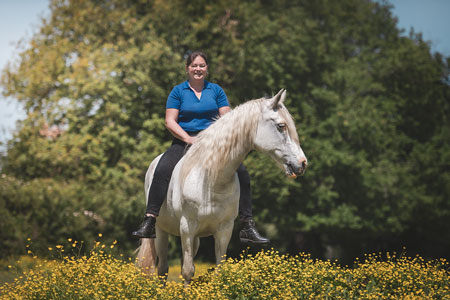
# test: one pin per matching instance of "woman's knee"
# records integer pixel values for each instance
(168, 161)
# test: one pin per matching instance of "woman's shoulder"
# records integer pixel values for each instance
(182, 85)
(178, 89)
(213, 86)
(218, 93)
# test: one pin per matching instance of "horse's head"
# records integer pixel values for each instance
(276, 135)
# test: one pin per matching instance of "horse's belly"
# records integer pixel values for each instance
(208, 221)
(168, 222)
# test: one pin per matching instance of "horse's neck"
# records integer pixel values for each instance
(226, 175)
(223, 146)
(238, 148)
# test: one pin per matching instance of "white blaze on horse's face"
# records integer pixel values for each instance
(276, 136)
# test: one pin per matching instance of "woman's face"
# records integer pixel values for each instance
(198, 69)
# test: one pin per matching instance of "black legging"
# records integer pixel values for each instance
(163, 173)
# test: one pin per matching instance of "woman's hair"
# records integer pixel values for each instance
(193, 55)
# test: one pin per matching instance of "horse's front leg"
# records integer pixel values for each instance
(222, 239)
(187, 234)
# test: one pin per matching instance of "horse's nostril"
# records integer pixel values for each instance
(303, 163)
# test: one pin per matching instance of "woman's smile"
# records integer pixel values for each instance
(198, 69)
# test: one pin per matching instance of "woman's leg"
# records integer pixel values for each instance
(159, 187)
(248, 232)
(161, 178)
(245, 200)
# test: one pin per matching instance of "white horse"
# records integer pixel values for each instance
(203, 194)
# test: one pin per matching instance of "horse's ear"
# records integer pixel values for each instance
(278, 98)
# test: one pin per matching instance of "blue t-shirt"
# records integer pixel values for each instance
(197, 114)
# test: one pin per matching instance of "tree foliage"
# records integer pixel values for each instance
(371, 107)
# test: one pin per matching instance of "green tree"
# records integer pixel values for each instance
(371, 108)
(93, 75)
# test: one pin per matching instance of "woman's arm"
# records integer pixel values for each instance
(174, 128)
(223, 110)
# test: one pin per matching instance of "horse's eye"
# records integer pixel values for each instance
(281, 126)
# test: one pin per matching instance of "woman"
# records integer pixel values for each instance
(191, 107)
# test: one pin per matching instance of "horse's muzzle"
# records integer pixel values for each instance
(292, 170)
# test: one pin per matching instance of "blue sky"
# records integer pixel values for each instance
(19, 19)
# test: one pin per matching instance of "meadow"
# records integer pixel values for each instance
(104, 274)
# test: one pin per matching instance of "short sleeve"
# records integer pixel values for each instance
(221, 99)
(174, 99)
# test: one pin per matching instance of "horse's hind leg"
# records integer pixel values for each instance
(162, 246)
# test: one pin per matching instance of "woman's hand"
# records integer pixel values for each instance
(174, 128)
(190, 140)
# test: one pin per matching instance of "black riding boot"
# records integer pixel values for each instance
(147, 228)
(249, 234)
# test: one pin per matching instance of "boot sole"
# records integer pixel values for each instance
(143, 237)
(247, 241)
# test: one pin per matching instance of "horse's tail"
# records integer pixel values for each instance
(146, 256)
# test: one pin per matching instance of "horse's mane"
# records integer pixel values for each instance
(229, 135)
(221, 141)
